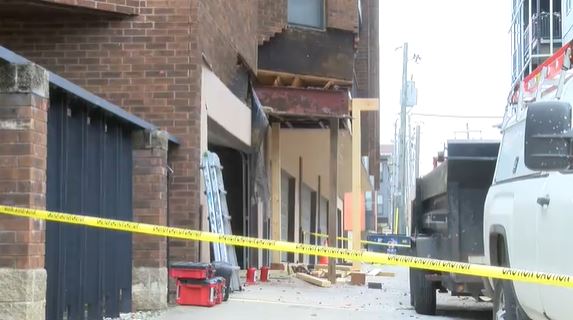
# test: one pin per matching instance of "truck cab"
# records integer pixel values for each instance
(528, 212)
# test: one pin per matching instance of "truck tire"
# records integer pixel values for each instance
(505, 304)
(424, 293)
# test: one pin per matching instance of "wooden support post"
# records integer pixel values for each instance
(356, 184)
(300, 218)
(276, 189)
(332, 218)
(358, 105)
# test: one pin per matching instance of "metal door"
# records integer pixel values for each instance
(89, 172)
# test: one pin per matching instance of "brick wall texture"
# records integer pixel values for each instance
(116, 6)
(23, 141)
(229, 29)
(148, 64)
(272, 18)
(150, 199)
(273, 14)
(342, 14)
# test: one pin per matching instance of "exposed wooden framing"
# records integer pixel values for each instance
(358, 105)
(314, 280)
(301, 231)
(332, 219)
(297, 82)
(318, 208)
(278, 82)
(268, 77)
(329, 84)
(276, 189)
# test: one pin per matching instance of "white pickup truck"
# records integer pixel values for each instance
(528, 213)
(521, 218)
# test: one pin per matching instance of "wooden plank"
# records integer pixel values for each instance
(313, 280)
(374, 272)
(386, 274)
(278, 82)
(307, 79)
(328, 85)
(333, 210)
(297, 82)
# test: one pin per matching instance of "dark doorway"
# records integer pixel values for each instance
(235, 175)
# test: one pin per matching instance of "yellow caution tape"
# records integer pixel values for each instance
(322, 235)
(364, 256)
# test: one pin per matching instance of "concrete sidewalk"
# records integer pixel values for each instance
(295, 299)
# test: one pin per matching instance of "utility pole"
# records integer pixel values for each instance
(467, 131)
(403, 146)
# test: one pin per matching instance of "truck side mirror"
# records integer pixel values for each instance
(548, 136)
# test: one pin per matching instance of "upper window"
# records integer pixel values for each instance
(307, 13)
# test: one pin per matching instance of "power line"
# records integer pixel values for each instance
(436, 115)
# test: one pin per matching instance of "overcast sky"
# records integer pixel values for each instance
(464, 70)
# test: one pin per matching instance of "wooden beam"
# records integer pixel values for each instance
(278, 82)
(333, 197)
(300, 210)
(275, 189)
(356, 183)
(297, 82)
(307, 79)
(314, 280)
(328, 85)
(364, 104)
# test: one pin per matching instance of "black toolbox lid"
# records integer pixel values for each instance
(202, 281)
(191, 265)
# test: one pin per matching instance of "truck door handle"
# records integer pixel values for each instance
(543, 201)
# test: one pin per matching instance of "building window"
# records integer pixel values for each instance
(307, 13)
(568, 5)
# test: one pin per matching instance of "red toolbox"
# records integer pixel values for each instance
(222, 288)
(191, 270)
(206, 293)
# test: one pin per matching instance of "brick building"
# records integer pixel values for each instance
(189, 68)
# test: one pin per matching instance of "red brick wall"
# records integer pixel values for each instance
(342, 14)
(366, 69)
(117, 6)
(148, 64)
(273, 14)
(272, 18)
(229, 28)
(149, 196)
(23, 119)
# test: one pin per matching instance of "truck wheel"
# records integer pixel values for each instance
(424, 293)
(505, 305)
